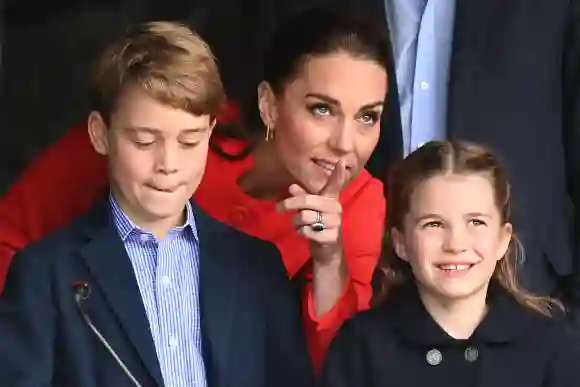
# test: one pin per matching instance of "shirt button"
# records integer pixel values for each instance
(424, 85)
(173, 342)
(144, 238)
(471, 354)
(166, 281)
(434, 357)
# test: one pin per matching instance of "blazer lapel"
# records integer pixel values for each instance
(218, 283)
(106, 257)
(474, 23)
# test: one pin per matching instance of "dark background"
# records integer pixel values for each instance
(48, 48)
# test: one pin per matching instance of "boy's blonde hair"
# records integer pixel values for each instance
(166, 60)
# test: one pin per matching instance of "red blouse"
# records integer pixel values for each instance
(66, 179)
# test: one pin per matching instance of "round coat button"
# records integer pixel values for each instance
(471, 354)
(434, 357)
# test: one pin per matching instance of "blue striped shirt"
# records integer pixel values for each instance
(167, 273)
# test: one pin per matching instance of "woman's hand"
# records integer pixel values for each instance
(323, 210)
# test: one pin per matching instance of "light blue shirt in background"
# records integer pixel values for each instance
(422, 38)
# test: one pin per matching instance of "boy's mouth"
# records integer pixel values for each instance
(164, 189)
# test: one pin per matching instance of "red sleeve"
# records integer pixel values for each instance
(363, 227)
(56, 187)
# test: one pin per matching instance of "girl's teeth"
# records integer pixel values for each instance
(454, 267)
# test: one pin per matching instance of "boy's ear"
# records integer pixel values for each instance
(98, 133)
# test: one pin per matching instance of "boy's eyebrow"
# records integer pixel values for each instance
(156, 131)
(478, 215)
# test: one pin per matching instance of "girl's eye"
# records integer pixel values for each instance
(433, 224)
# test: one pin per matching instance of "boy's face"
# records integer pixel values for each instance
(157, 156)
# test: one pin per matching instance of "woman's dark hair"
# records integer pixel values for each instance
(314, 31)
(440, 158)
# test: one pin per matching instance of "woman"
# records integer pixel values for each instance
(296, 179)
(452, 312)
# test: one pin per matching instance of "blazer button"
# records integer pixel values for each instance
(434, 357)
(471, 354)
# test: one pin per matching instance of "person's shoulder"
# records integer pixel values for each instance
(554, 333)
(245, 247)
(259, 261)
(245, 243)
(561, 342)
(558, 331)
(554, 323)
(369, 325)
(57, 249)
(63, 240)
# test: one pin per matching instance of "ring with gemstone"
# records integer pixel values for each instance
(318, 226)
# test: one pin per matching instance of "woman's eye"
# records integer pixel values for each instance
(320, 109)
(369, 118)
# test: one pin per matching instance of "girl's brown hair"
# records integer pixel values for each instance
(451, 157)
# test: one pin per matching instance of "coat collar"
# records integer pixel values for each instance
(505, 321)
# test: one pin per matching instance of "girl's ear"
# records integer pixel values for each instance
(398, 240)
(506, 235)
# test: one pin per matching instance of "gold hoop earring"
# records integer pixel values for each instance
(269, 132)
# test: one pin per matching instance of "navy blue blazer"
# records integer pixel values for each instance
(251, 328)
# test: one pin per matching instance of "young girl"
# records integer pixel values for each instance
(451, 312)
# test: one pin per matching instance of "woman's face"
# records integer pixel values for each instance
(329, 111)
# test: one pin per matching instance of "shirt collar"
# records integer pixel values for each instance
(125, 225)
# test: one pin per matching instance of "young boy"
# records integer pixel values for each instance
(147, 290)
